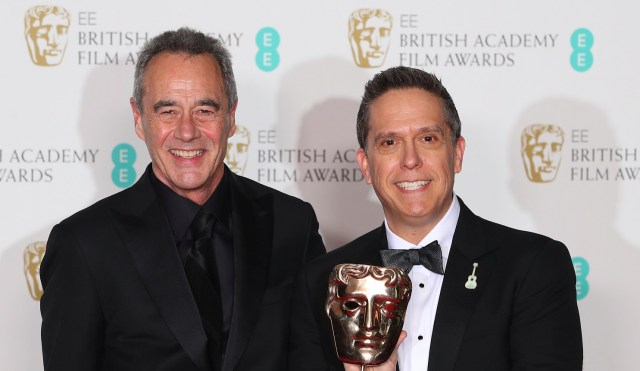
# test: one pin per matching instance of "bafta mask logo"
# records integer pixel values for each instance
(366, 305)
(238, 150)
(32, 258)
(542, 151)
(369, 36)
(46, 29)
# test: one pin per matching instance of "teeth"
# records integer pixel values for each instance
(412, 186)
(186, 154)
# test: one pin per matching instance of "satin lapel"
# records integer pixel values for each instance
(146, 233)
(252, 224)
(456, 302)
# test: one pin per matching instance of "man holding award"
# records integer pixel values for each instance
(484, 296)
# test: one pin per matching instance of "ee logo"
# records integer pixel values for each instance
(581, 43)
(581, 267)
(268, 40)
(123, 157)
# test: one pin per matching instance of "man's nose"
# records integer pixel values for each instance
(410, 156)
(186, 128)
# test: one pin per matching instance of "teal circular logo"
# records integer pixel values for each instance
(268, 41)
(581, 266)
(123, 157)
(581, 43)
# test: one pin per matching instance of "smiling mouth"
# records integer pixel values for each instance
(186, 154)
(412, 186)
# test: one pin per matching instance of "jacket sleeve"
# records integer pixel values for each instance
(545, 328)
(72, 322)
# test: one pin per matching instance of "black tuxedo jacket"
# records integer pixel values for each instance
(523, 314)
(117, 297)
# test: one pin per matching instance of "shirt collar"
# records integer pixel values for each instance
(181, 211)
(442, 232)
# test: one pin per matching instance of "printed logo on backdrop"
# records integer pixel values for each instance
(543, 147)
(581, 44)
(39, 165)
(238, 150)
(123, 157)
(581, 266)
(46, 30)
(97, 40)
(32, 255)
(542, 151)
(416, 44)
(268, 41)
(370, 36)
(291, 165)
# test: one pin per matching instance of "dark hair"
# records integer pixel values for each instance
(190, 42)
(404, 78)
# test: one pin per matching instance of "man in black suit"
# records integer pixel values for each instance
(131, 283)
(494, 299)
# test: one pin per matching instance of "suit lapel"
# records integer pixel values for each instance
(252, 225)
(146, 233)
(456, 302)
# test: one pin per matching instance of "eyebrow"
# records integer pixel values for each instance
(422, 130)
(202, 102)
(163, 103)
(210, 102)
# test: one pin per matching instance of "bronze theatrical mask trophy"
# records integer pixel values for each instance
(366, 305)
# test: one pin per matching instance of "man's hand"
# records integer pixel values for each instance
(390, 365)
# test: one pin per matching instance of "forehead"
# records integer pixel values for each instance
(169, 72)
(404, 108)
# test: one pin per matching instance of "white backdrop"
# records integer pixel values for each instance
(507, 65)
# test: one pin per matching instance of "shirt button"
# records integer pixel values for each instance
(420, 337)
(421, 285)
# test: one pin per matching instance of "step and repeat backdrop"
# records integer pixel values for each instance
(547, 92)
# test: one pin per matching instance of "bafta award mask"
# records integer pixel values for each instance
(366, 305)
(542, 151)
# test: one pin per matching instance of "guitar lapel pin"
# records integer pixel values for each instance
(471, 280)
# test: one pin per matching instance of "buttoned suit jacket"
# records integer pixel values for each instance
(116, 296)
(522, 315)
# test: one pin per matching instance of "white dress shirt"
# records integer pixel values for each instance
(413, 354)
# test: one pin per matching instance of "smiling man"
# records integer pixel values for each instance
(484, 296)
(192, 267)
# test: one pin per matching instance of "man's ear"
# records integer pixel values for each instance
(363, 161)
(458, 153)
(137, 119)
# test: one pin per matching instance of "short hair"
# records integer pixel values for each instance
(190, 42)
(402, 77)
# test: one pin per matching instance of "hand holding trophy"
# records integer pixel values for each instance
(366, 305)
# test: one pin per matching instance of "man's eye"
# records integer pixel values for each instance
(388, 142)
(429, 138)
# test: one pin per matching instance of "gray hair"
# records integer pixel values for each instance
(190, 42)
(405, 78)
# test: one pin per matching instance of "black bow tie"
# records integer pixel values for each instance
(430, 256)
